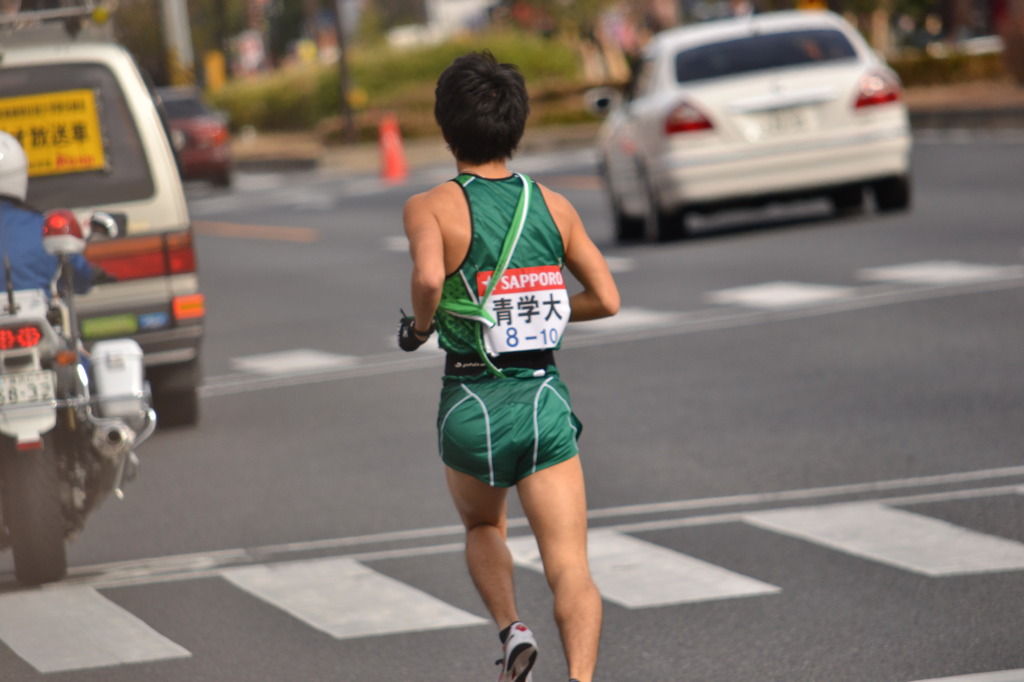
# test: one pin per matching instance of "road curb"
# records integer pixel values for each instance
(982, 119)
(364, 158)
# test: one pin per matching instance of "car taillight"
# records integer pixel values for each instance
(219, 135)
(24, 336)
(150, 256)
(211, 135)
(61, 233)
(686, 118)
(877, 88)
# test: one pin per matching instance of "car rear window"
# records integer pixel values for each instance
(184, 108)
(762, 52)
(79, 135)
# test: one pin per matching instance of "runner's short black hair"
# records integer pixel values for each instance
(481, 106)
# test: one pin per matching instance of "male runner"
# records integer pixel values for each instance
(488, 250)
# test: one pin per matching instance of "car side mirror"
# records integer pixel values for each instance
(108, 225)
(600, 101)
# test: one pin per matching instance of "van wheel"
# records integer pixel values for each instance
(176, 393)
(177, 408)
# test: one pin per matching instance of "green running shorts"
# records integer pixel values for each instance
(501, 430)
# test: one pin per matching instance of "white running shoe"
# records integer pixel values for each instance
(520, 653)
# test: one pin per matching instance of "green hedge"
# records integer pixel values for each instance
(921, 69)
(384, 79)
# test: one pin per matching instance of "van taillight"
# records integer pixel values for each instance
(149, 256)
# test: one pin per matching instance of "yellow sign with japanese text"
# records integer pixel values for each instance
(60, 131)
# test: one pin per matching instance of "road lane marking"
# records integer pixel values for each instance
(394, 544)
(638, 574)
(345, 599)
(997, 676)
(895, 537)
(630, 318)
(941, 272)
(776, 295)
(266, 232)
(70, 628)
(298, 361)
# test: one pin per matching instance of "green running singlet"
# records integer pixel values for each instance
(501, 427)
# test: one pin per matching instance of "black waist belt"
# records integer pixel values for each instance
(469, 365)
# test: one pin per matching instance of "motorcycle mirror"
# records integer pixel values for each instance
(109, 225)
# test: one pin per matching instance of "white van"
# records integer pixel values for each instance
(96, 140)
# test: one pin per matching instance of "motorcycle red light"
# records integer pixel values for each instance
(60, 222)
(13, 338)
(61, 233)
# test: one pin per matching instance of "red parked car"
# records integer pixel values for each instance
(199, 134)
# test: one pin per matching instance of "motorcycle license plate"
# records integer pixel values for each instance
(27, 387)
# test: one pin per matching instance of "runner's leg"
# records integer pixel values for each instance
(482, 509)
(555, 503)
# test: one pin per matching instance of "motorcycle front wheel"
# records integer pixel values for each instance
(32, 512)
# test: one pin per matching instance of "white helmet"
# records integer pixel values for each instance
(13, 168)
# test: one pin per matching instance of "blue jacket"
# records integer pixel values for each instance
(21, 240)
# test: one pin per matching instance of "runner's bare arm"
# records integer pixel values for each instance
(426, 247)
(600, 295)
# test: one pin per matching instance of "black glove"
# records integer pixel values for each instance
(101, 276)
(408, 338)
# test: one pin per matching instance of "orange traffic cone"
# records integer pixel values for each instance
(393, 167)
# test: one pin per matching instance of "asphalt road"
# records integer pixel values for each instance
(802, 444)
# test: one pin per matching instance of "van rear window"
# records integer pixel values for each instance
(78, 133)
(762, 52)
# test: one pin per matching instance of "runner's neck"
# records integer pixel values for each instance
(492, 170)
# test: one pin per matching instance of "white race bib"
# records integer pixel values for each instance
(530, 307)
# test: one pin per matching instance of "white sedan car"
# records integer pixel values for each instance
(741, 112)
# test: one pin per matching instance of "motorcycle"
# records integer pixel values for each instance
(69, 420)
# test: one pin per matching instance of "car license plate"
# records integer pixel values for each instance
(776, 123)
(27, 387)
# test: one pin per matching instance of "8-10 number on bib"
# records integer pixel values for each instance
(530, 307)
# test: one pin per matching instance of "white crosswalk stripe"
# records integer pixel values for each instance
(345, 599)
(638, 574)
(774, 295)
(997, 676)
(72, 628)
(940, 272)
(895, 537)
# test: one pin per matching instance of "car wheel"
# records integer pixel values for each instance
(627, 228)
(666, 225)
(893, 194)
(222, 179)
(848, 200)
(672, 225)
